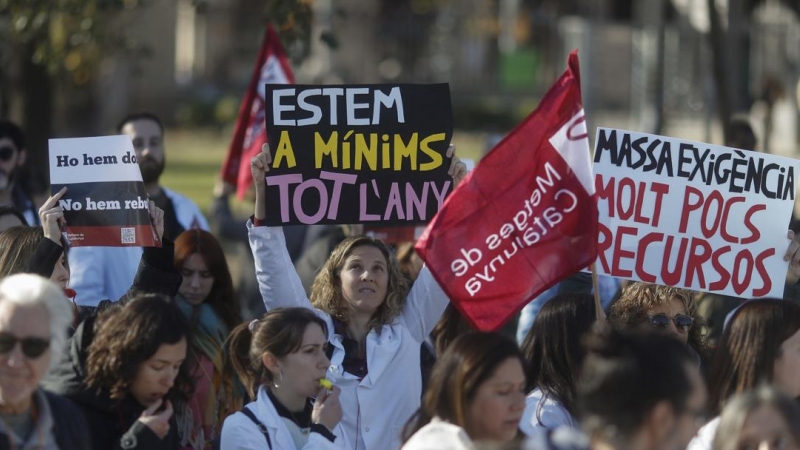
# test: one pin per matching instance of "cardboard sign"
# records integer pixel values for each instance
(357, 154)
(693, 215)
(524, 219)
(105, 203)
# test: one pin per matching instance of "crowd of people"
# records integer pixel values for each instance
(129, 348)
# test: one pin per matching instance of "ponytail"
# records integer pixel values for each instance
(237, 362)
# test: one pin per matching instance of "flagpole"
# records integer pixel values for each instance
(598, 306)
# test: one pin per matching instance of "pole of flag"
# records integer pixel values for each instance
(598, 306)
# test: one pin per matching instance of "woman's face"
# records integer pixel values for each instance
(20, 373)
(197, 279)
(787, 366)
(60, 275)
(765, 429)
(496, 410)
(671, 310)
(365, 278)
(301, 371)
(156, 375)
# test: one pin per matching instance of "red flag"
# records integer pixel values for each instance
(272, 66)
(525, 218)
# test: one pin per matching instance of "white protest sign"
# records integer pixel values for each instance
(105, 203)
(693, 215)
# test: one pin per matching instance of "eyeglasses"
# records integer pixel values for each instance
(6, 153)
(32, 347)
(682, 322)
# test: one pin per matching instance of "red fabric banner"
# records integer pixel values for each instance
(524, 219)
(272, 66)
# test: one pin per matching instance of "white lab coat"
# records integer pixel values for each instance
(100, 273)
(439, 435)
(377, 407)
(239, 432)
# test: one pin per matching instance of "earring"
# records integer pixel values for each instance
(280, 378)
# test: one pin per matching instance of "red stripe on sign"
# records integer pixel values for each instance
(112, 236)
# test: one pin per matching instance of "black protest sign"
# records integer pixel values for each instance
(357, 153)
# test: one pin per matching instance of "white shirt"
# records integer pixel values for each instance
(239, 432)
(439, 435)
(705, 436)
(100, 273)
(547, 414)
(377, 407)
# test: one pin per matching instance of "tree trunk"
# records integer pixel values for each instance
(37, 121)
(717, 38)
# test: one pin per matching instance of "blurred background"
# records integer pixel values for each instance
(677, 67)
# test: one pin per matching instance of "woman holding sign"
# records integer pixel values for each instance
(374, 324)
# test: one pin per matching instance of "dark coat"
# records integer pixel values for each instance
(70, 429)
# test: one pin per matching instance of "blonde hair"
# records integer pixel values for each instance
(326, 292)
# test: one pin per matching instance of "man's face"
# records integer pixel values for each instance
(147, 142)
(11, 159)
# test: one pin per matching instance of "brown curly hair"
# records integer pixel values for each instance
(127, 336)
(326, 292)
(638, 298)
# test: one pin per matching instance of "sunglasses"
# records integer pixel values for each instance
(32, 347)
(6, 153)
(682, 322)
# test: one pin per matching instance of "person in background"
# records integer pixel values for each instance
(476, 395)
(662, 308)
(34, 317)
(639, 391)
(107, 272)
(760, 344)
(126, 372)
(281, 361)
(207, 301)
(762, 419)
(13, 154)
(11, 217)
(375, 325)
(554, 353)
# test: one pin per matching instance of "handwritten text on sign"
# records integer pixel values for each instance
(357, 154)
(694, 215)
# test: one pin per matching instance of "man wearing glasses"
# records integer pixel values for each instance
(12, 158)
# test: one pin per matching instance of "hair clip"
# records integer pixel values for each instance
(252, 326)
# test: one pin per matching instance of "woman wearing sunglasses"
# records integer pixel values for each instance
(662, 308)
(760, 344)
(34, 316)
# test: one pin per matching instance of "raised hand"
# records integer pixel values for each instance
(52, 216)
(157, 217)
(457, 169)
(259, 166)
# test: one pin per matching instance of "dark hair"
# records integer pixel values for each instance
(467, 363)
(10, 130)
(221, 298)
(739, 408)
(279, 332)
(749, 346)
(553, 346)
(740, 134)
(630, 310)
(140, 116)
(127, 336)
(625, 374)
(326, 292)
(9, 210)
(451, 325)
(17, 246)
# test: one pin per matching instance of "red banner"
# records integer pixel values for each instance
(272, 66)
(524, 219)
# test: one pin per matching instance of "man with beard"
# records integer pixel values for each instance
(99, 273)
(12, 156)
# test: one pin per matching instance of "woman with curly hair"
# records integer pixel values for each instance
(375, 325)
(664, 308)
(133, 376)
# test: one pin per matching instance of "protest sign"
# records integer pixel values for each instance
(525, 218)
(693, 215)
(249, 134)
(357, 154)
(105, 203)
